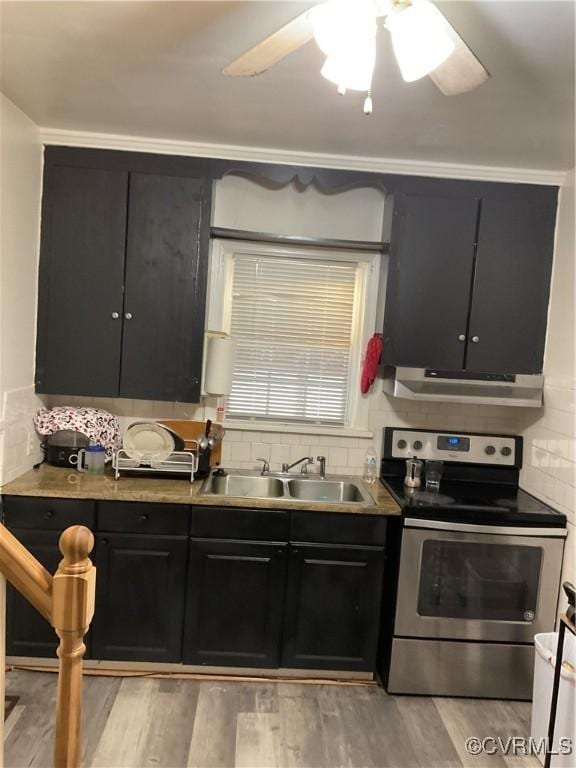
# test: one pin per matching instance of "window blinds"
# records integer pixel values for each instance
(292, 320)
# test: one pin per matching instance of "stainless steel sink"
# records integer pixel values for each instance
(326, 490)
(285, 486)
(245, 486)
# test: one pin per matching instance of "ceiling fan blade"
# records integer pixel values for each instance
(461, 71)
(285, 41)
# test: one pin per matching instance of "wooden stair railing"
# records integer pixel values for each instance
(66, 600)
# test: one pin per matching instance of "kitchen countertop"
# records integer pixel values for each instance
(57, 482)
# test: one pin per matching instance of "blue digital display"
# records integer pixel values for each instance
(453, 443)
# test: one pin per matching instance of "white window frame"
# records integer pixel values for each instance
(218, 318)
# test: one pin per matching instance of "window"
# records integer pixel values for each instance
(298, 316)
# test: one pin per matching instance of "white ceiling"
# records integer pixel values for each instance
(152, 69)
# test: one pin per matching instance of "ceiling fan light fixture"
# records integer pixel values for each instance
(339, 22)
(351, 70)
(420, 39)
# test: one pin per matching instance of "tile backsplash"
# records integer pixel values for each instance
(549, 470)
(19, 445)
(549, 461)
(345, 455)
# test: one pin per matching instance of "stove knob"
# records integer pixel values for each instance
(506, 451)
(401, 444)
(490, 450)
(417, 445)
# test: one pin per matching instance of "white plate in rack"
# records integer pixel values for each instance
(148, 442)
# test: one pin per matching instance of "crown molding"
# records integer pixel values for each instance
(55, 136)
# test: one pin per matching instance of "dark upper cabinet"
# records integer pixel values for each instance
(140, 592)
(332, 607)
(123, 272)
(469, 277)
(431, 268)
(235, 603)
(161, 346)
(512, 283)
(81, 277)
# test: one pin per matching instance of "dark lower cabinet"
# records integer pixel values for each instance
(163, 596)
(140, 593)
(27, 632)
(332, 607)
(235, 603)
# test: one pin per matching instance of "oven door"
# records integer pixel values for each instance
(475, 582)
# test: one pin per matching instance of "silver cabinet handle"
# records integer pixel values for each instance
(475, 339)
(128, 315)
(115, 315)
(462, 337)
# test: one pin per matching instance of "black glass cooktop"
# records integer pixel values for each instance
(484, 503)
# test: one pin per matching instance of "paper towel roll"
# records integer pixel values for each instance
(219, 365)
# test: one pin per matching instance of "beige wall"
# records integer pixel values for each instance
(20, 191)
(550, 434)
(355, 214)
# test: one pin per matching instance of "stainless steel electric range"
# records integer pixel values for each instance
(479, 568)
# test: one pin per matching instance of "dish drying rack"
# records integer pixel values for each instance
(179, 462)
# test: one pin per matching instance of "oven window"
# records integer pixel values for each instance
(479, 581)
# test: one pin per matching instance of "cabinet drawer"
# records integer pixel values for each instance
(238, 523)
(141, 517)
(46, 513)
(338, 528)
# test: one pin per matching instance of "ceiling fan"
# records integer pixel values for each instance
(424, 43)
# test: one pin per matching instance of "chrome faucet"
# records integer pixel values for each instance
(322, 461)
(265, 466)
(307, 459)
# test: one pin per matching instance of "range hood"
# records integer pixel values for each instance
(464, 387)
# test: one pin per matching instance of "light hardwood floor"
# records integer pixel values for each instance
(133, 723)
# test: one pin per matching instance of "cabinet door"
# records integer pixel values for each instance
(140, 590)
(80, 281)
(332, 607)
(27, 632)
(235, 603)
(429, 281)
(512, 282)
(163, 337)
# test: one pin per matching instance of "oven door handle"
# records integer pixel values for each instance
(499, 530)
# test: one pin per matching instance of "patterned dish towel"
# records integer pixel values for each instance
(99, 426)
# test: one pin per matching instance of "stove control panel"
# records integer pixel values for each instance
(494, 450)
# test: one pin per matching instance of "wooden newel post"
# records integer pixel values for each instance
(72, 611)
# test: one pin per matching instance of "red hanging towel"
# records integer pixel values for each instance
(371, 361)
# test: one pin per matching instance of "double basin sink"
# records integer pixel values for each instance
(300, 488)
